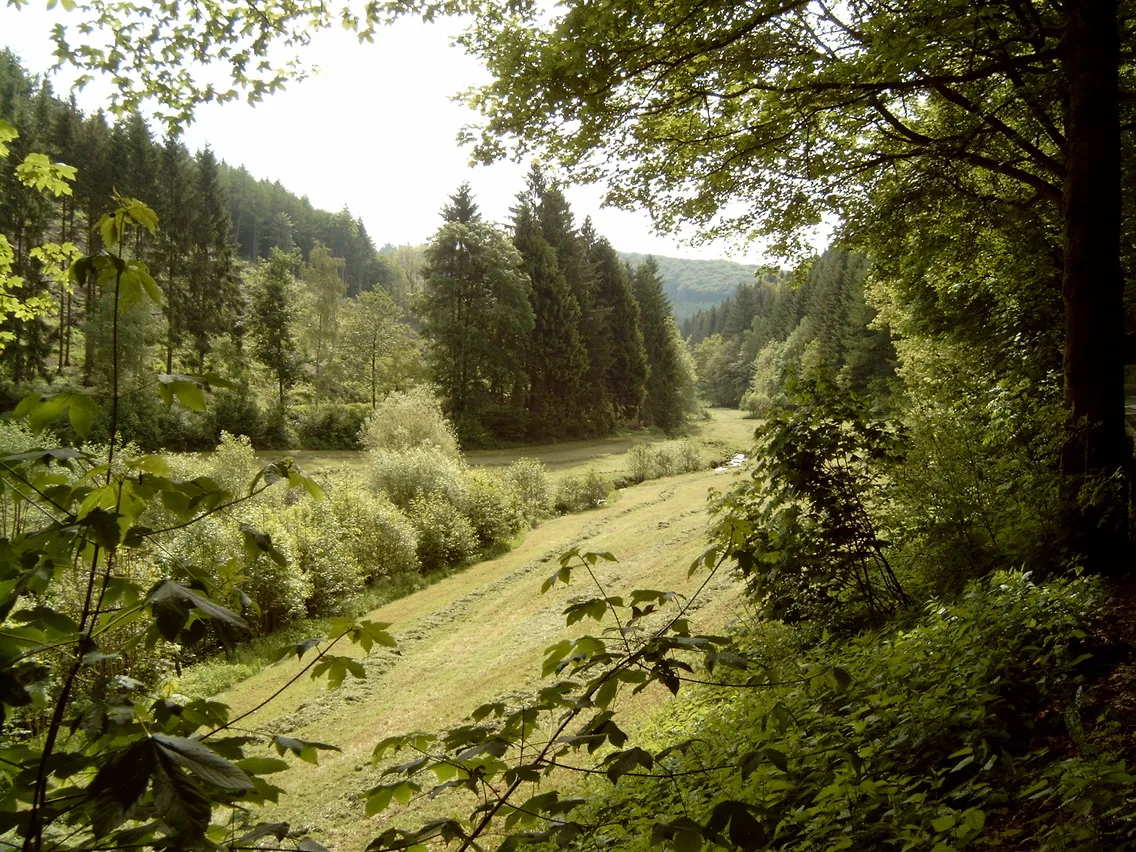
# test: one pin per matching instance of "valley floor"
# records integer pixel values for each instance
(473, 638)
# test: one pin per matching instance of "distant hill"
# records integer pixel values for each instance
(697, 285)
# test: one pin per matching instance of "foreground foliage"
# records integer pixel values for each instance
(960, 730)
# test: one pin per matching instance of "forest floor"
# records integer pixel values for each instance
(479, 636)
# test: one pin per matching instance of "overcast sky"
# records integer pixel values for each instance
(374, 131)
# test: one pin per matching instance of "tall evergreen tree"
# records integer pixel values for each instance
(626, 369)
(478, 315)
(213, 298)
(273, 321)
(174, 206)
(558, 360)
(664, 405)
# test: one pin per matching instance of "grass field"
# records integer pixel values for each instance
(723, 434)
(479, 635)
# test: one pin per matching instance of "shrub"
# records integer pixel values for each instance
(234, 464)
(445, 536)
(407, 420)
(425, 470)
(332, 426)
(280, 592)
(671, 458)
(380, 538)
(575, 493)
(808, 528)
(324, 556)
(534, 489)
(492, 507)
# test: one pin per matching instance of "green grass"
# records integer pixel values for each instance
(473, 637)
(726, 432)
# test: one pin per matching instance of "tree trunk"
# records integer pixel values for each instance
(1093, 289)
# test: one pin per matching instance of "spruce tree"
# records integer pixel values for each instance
(478, 315)
(273, 321)
(664, 405)
(213, 298)
(625, 376)
(558, 360)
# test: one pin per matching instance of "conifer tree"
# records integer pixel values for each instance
(557, 360)
(478, 315)
(273, 320)
(213, 299)
(664, 405)
(625, 375)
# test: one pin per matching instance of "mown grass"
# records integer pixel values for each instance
(725, 432)
(471, 638)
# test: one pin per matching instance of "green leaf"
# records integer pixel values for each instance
(202, 762)
(306, 750)
(119, 784)
(943, 823)
(262, 765)
(620, 763)
(171, 603)
(181, 803)
(81, 412)
(687, 841)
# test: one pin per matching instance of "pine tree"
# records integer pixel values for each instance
(478, 315)
(664, 405)
(273, 320)
(213, 298)
(625, 376)
(558, 360)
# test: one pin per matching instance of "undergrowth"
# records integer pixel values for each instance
(960, 731)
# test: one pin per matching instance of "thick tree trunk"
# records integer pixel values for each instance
(1093, 286)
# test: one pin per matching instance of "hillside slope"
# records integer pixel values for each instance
(470, 639)
(697, 285)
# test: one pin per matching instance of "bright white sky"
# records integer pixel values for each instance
(374, 131)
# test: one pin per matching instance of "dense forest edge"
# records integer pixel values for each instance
(931, 539)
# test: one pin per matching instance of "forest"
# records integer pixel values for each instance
(305, 319)
(927, 555)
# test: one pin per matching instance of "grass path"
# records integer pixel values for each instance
(473, 638)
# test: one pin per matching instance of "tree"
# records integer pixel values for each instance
(212, 296)
(371, 332)
(759, 119)
(478, 317)
(325, 289)
(557, 358)
(664, 404)
(273, 320)
(626, 372)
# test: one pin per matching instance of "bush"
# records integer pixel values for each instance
(234, 464)
(280, 592)
(534, 489)
(332, 426)
(324, 556)
(425, 470)
(575, 493)
(653, 461)
(407, 420)
(445, 537)
(492, 507)
(381, 540)
(808, 529)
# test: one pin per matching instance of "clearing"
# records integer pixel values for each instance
(480, 635)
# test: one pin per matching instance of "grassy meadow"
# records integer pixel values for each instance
(479, 634)
(726, 431)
